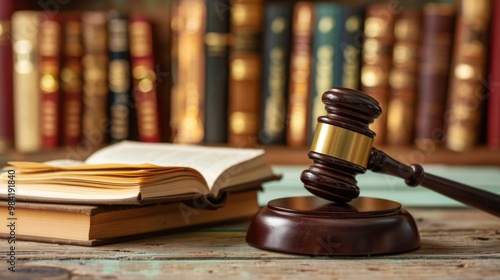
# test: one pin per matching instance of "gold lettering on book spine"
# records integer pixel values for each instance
(5, 31)
(275, 109)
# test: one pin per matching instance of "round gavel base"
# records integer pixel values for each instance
(313, 226)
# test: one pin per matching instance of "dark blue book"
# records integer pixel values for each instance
(276, 61)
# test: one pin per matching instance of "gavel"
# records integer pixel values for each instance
(342, 148)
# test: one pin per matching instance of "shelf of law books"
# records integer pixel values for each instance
(79, 75)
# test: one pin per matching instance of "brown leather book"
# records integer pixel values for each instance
(297, 130)
(438, 21)
(188, 98)
(145, 79)
(467, 93)
(95, 68)
(71, 79)
(49, 48)
(26, 81)
(493, 130)
(403, 78)
(377, 60)
(245, 72)
(6, 92)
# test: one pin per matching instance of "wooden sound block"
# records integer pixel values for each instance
(313, 226)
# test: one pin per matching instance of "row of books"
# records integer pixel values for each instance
(426, 64)
(249, 73)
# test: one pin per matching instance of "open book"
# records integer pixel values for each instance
(136, 173)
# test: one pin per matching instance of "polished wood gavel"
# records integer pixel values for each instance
(342, 148)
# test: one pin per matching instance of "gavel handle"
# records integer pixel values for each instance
(414, 175)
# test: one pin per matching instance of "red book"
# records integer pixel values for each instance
(493, 130)
(48, 51)
(144, 79)
(6, 96)
(71, 80)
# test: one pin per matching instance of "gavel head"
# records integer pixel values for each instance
(341, 145)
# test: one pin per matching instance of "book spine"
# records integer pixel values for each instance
(466, 93)
(300, 72)
(245, 78)
(438, 21)
(326, 58)
(191, 72)
(25, 25)
(276, 53)
(119, 79)
(49, 47)
(144, 80)
(493, 129)
(403, 78)
(377, 60)
(6, 112)
(351, 45)
(95, 89)
(71, 80)
(216, 71)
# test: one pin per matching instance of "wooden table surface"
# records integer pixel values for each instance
(456, 244)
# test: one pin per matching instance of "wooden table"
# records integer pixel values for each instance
(456, 244)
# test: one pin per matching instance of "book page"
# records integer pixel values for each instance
(211, 162)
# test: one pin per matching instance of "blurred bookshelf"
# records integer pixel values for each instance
(240, 69)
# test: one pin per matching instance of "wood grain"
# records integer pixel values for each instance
(456, 243)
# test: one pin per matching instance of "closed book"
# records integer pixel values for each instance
(275, 73)
(49, 49)
(299, 90)
(189, 96)
(245, 65)
(467, 92)
(326, 58)
(71, 79)
(493, 130)
(6, 90)
(403, 78)
(216, 71)
(119, 81)
(438, 21)
(95, 69)
(90, 225)
(377, 60)
(144, 78)
(25, 25)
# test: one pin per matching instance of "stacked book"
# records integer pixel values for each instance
(128, 190)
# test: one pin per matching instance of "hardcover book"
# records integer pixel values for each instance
(6, 92)
(245, 79)
(326, 58)
(91, 225)
(145, 80)
(403, 78)
(71, 79)
(300, 73)
(276, 53)
(466, 92)
(138, 173)
(438, 21)
(216, 71)
(119, 81)
(189, 97)
(377, 60)
(27, 136)
(49, 48)
(493, 130)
